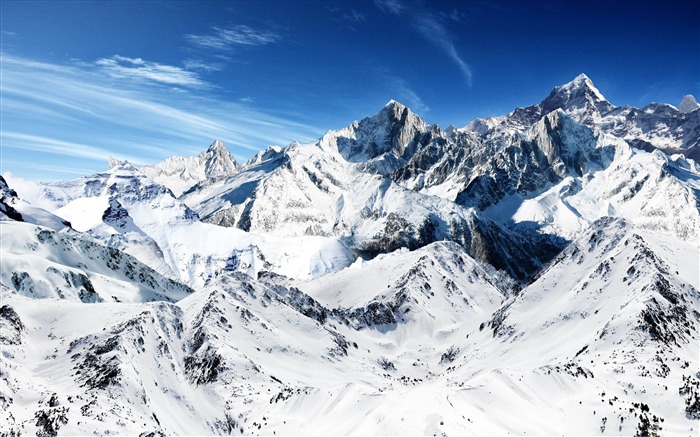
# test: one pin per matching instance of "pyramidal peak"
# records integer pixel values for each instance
(579, 96)
(112, 162)
(115, 164)
(393, 103)
(580, 81)
(217, 146)
(395, 108)
(180, 173)
(218, 161)
(688, 104)
(581, 86)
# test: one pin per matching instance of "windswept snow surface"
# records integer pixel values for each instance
(533, 273)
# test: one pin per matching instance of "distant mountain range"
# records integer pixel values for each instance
(535, 272)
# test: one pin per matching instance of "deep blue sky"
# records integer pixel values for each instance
(145, 80)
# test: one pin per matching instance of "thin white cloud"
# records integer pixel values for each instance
(390, 6)
(407, 96)
(200, 65)
(434, 31)
(430, 26)
(34, 112)
(60, 169)
(10, 61)
(354, 16)
(227, 38)
(136, 68)
(35, 143)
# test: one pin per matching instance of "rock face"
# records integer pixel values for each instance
(384, 142)
(556, 147)
(8, 197)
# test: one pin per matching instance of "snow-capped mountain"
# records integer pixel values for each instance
(655, 126)
(125, 209)
(531, 273)
(688, 104)
(179, 173)
(334, 187)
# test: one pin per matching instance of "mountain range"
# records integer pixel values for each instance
(535, 272)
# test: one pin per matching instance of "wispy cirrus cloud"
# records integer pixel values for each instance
(111, 115)
(231, 37)
(390, 6)
(406, 95)
(204, 66)
(434, 31)
(136, 68)
(36, 143)
(354, 16)
(432, 27)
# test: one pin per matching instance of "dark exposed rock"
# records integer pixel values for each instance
(204, 366)
(450, 355)
(8, 197)
(11, 327)
(50, 421)
(497, 322)
(690, 390)
(387, 365)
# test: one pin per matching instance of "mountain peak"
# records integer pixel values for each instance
(688, 104)
(112, 162)
(581, 85)
(393, 103)
(578, 95)
(217, 146)
(218, 161)
(115, 164)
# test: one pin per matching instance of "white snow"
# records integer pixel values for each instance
(85, 213)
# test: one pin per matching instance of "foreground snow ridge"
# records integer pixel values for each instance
(533, 273)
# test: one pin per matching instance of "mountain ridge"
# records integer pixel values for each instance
(180, 174)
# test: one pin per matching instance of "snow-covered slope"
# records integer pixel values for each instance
(12, 208)
(174, 367)
(42, 263)
(568, 354)
(125, 209)
(605, 340)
